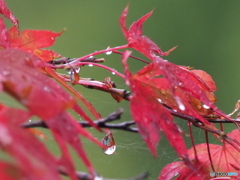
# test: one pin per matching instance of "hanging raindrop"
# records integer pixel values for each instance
(108, 141)
(113, 73)
(90, 65)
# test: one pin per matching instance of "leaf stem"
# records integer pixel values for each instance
(119, 52)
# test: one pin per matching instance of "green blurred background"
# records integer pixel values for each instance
(208, 37)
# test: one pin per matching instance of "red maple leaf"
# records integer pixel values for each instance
(46, 99)
(135, 39)
(150, 115)
(30, 155)
(225, 159)
(176, 76)
(7, 13)
(163, 82)
(31, 41)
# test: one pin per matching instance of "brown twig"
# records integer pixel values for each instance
(103, 123)
(65, 60)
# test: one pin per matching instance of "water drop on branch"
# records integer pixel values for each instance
(109, 142)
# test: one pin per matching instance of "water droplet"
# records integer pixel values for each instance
(52, 38)
(180, 84)
(90, 56)
(205, 106)
(5, 137)
(41, 136)
(113, 73)
(147, 76)
(159, 100)
(46, 88)
(72, 77)
(127, 82)
(180, 104)
(98, 178)
(90, 65)
(77, 69)
(108, 52)
(108, 141)
(176, 174)
(29, 120)
(6, 73)
(69, 70)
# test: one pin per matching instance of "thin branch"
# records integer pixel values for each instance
(119, 52)
(103, 123)
(86, 176)
(66, 60)
(127, 125)
(222, 120)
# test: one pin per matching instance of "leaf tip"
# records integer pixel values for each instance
(170, 50)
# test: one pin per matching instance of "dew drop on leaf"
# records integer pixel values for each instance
(6, 73)
(98, 178)
(5, 137)
(108, 141)
(42, 136)
(205, 106)
(180, 104)
(46, 88)
(127, 82)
